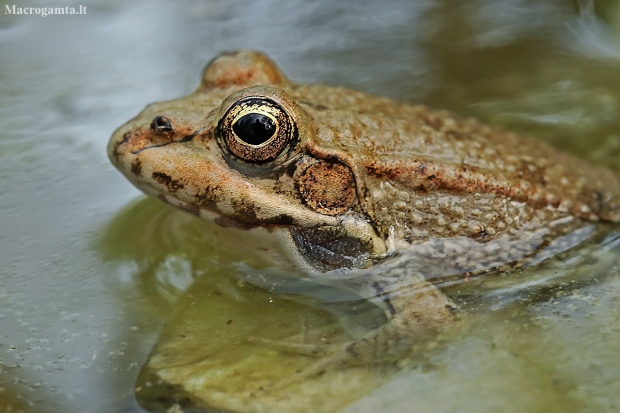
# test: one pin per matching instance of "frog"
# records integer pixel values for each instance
(344, 181)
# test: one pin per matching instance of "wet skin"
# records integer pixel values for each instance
(345, 179)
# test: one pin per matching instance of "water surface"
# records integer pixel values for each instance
(94, 277)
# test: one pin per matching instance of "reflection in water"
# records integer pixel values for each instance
(219, 329)
(223, 349)
(239, 336)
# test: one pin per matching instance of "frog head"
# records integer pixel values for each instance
(242, 151)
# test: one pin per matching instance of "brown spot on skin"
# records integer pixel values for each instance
(136, 168)
(191, 209)
(281, 219)
(253, 221)
(207, 198)
(164, 179)
(115, 153)
(245, 211)
(328, 188)
(225, 222)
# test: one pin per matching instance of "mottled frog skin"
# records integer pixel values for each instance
(345, 179)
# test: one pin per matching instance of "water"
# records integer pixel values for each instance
(94, 277)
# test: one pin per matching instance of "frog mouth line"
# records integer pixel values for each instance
(323, 248)
(280, 221)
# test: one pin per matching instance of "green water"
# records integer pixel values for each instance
(94, 278)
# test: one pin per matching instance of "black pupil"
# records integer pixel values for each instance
(254, 128)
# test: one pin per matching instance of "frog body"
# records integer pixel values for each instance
(345, 179)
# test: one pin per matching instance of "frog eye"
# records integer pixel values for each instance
(256, 129)
(161, 123)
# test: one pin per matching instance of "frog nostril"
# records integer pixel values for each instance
(161, 123)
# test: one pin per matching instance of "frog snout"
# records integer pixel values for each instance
(156, 132)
